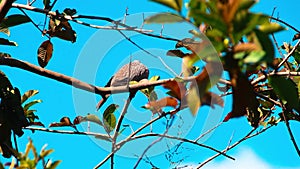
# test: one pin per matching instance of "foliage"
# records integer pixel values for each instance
(265, 88)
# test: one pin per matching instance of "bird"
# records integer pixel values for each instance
(134, 71)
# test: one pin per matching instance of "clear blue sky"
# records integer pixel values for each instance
(273, 148)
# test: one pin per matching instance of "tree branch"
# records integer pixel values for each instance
(248, 136)
(181, 139)
(5, 5)
(104, 136)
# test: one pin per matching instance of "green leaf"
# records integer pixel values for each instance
(7, 42)
(174, 4)
(164, 18)
(102, 137)
(92, 118)
(109, 118)
(264, 42)
(246, 4)
(14, 20)
(272, 27)
(255, 57)
(28, 94)
(193, 100)
(286, 89)
(28, 105)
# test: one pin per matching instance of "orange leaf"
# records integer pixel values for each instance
(177, 88)
(155, 106)
(45, 53)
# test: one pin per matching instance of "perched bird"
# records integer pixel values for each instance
(135, 71)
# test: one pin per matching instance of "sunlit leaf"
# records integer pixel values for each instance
(164, 18)
(109, 118)
(272, 27)
(5, 30)
(90, 117)
(7, 42)
(53, 165)
(28, 94)
(255, 57)
(174, 4)
(45, 53)
(28, 105)
(245, 47)
(193, 100)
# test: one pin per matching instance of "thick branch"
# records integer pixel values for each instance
(5, 5)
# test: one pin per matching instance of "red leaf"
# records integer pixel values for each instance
(155, 106)
(177, 88)
(65, 121)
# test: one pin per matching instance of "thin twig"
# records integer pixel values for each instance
(148, 148)
(181, 139)
(104, 136)
(283, 22)
(123, 142)
(149, 53)
(248, 136)
(37, 26)
(287, 123)
(208, 131)
(289, 55)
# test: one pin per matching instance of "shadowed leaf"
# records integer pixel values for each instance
(65, 121)
(7, 42)
(14, 20)
(45, 53)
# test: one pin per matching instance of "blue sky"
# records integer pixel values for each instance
(272, 149)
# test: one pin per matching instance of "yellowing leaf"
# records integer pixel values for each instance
(164, 18)
(174, 4)
(45, 53)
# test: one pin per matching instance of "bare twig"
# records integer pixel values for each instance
(208, 131)
(289, 55)
(287, 123)
(283, 22)
(181, 139)
(68, 132)
(248, 136)
(149, 53)
(128, 138)
(37, 26)
(148, 148)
